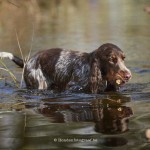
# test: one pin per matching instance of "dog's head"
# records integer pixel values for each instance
(112, 64)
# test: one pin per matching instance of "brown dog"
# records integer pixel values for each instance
(55, 68)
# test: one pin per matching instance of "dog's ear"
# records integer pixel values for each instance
(95, 76)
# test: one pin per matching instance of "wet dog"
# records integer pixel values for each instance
(56, 68)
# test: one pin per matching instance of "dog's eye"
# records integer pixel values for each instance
(113, 60)
(123, 57)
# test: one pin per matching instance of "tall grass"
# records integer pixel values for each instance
(24, 58)
(5, 69)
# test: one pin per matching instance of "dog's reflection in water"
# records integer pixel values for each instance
(112, 119)
(109, 116)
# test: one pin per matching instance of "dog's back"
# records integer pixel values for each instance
(54, 68)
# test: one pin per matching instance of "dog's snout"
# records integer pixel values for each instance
(124, 71)
(128, 75)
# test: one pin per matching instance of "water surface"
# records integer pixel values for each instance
(43, 120)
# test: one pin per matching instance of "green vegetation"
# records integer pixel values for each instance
(3, 68)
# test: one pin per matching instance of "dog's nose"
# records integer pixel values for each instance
(128, 76)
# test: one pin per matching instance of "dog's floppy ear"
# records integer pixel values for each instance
(95, 76)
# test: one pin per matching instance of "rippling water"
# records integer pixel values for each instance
(43, 120)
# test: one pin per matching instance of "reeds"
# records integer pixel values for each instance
(5, 69)
(24, 58)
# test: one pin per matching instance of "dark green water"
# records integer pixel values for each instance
(32, 120)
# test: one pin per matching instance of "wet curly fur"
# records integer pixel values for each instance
(56, 68)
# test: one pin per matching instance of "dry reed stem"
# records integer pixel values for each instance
(10, 73)
(21, 57)
(29, 53)
(32, 38)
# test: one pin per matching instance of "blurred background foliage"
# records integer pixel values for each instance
(76, 24)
